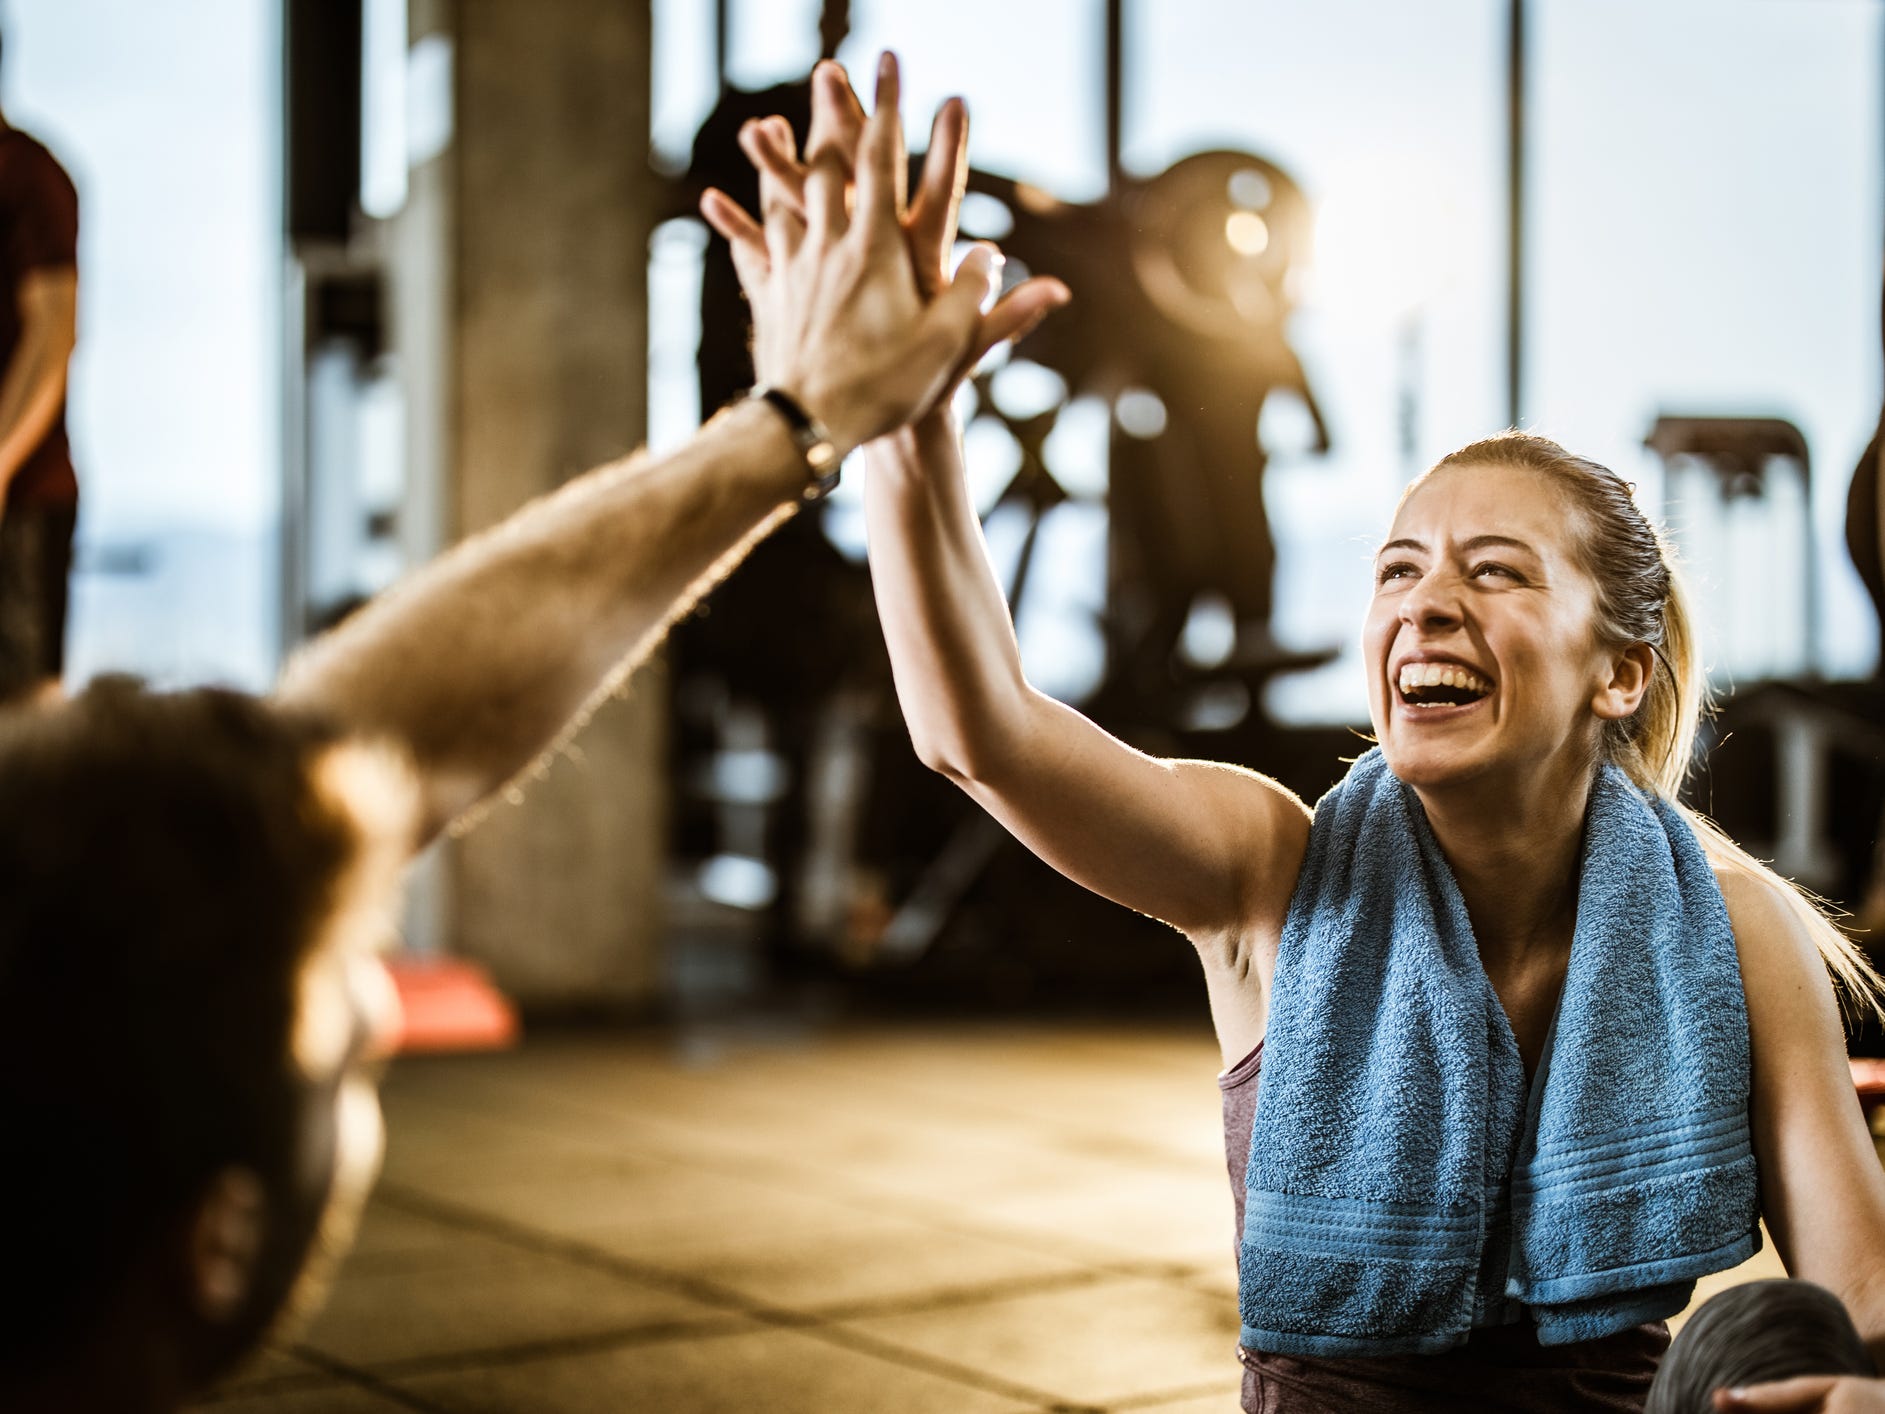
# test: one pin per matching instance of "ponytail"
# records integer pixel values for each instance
(1672, 716)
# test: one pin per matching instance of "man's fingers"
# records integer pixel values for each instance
(1803, 1395)
(837, 116)
(932, 219)
(882, 170)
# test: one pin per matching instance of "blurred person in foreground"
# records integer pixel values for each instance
(193, 886)
(39, 493)
(1539, 1045)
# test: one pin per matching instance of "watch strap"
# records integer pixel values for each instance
(823, 465)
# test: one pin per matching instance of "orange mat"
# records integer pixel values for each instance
(1868, 1078)
(448, 1004)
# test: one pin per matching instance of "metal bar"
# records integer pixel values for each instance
(722, 45)
(1515, 215)
(1115, 89)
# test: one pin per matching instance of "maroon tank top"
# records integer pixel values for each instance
(1499, 1369)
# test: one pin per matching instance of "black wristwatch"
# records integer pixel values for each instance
(823, 465)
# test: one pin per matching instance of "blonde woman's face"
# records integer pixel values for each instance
(1480, 640)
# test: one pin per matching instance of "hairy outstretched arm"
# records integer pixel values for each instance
(500, 649)
(484, 659)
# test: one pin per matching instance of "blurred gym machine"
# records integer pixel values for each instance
(796, 792)
(1795, 763)
(342, 457)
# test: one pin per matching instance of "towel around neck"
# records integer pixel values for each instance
(1405, 1184)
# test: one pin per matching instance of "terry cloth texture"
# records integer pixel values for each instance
(1404, 1186)
(1501, 1368)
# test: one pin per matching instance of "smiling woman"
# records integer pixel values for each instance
(1542, 1046)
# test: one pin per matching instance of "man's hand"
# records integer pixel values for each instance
(814, 241)
(1809, 1394)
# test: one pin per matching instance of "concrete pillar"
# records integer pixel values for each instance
(541, 207)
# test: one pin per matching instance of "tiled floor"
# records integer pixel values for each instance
(950, 1219)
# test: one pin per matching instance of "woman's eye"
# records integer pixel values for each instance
(1400, 569)
(1493, 567)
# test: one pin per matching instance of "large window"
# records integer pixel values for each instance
(1706, 222)
(166, 117)
(1392, 118)
(1704, 234)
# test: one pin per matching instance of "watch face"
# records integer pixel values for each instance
(823, 482)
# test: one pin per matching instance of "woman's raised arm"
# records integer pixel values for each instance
(1212, 849)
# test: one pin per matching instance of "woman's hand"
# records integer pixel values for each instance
(852, 179)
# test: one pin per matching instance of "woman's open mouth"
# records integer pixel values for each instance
(1434, 685)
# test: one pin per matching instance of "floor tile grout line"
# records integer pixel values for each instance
(598, 1343)
(369, 1380)
(898, 1205)
(854, 1341)
(452, 1213)
(540, 1243)
(815, 1326)
(846, 1338)
(265, 1387)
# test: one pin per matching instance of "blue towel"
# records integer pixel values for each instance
(1405, 1185)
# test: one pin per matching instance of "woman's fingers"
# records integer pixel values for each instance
(730, 220)
(769, 146)
(1026, 305)
(745, 237)
(932, 218)
(883, 172)
(831, 149)
(1014, 317)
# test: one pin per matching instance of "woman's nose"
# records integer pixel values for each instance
(1433, 601)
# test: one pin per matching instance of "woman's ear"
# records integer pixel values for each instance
(1630, 669)
(225, 1241)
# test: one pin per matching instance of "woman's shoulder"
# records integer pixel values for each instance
(1763, 908)
(1743, 888)
(1782, 968)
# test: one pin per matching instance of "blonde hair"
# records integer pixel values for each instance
(1640, 599)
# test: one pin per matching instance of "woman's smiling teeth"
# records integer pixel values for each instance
(1440, 685)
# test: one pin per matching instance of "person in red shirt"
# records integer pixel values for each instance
(39, 221)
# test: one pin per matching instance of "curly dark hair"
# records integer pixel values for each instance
(166, 865)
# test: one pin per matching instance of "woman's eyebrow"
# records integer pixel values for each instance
(1477, 542)
(1481, 542)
